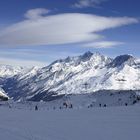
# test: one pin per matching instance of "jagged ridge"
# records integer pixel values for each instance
(75, 75)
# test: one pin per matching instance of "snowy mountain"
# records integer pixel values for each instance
(82, 74)
(10, 71)
(3, 95)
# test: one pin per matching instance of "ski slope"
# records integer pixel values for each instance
(110, 123)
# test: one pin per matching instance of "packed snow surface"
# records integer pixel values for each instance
(112, 123)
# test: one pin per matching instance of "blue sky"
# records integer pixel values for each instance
(37, 32)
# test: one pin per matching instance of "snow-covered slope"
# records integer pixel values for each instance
(99, 73)
(3, 95)
(112, 123)
(10, 71)
(76, 75)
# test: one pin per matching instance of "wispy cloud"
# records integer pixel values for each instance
(36, 13)
(87, 3)
(32, 57)
(59, 29)
(103, 44)
(21, 62)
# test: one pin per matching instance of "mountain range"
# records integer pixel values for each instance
(84, 74)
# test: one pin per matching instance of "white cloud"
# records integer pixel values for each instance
(36, 13)
(88, 3)
(103, 44)
(60, 29)
(20, 62)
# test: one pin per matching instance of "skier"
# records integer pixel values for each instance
(36, 108)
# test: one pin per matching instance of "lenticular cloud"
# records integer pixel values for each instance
(60, 29)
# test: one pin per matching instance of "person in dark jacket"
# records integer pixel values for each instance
(36, 107)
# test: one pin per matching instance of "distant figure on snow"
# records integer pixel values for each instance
(65, 104)
(36, 108)
(71, 106)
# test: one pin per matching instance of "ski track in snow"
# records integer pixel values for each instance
(112, 123)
